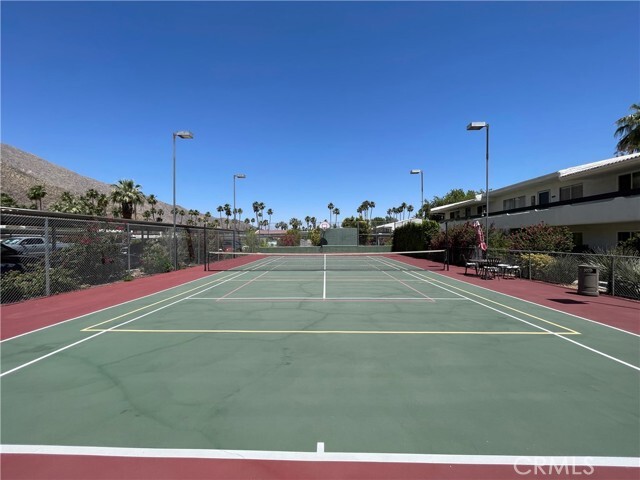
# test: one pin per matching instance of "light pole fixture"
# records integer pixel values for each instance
(480, 126)
(415, 172)
(187, 136)
(235, 222)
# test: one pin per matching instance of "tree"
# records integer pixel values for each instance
(331, 206)
(270, 212)
(152, 201)
(220, 209)
(336, 212)
(453, 196)
(128, 195)
(36, 194)
(629, 132)
(7, 201)
(68, 203)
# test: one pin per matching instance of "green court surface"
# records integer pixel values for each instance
(388, 361)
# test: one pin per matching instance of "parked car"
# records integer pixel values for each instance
(32, 245)
(11, 260)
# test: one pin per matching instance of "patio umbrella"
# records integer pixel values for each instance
(479, 236)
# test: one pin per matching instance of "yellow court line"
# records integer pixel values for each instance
(571, 331)
(344, 332)
(92, 328)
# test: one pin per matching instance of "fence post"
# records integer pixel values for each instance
(47, 258)
(128, 248)
(530, 276)
(613, 275)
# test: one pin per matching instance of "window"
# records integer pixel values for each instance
(452, 215)
(467, 212)
(543, 197)
(628, 181)
(577, 239)
(624, 236)
(512, 203)
(480, 210)
(533, 200)
(571, 192)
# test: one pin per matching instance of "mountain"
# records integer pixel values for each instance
(20, 170)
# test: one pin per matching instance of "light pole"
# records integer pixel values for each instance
(480, 126)
(235, 222)
(186, 135)
(415, 172)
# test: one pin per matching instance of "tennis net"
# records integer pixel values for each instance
(372, 261)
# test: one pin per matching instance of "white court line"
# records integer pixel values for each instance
(324, 281)
(563, 337)
(521, 460)
(540, 305)
(114, 306)
(336, 299)
(66, 347)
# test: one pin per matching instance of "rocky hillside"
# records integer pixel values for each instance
(20, 171)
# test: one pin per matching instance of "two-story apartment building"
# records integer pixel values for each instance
(599, 202)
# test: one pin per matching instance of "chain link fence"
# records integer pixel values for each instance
(46, 254)
(619, 275)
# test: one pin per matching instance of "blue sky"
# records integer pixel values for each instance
(316, 102)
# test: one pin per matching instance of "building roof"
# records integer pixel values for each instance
(587, 168)
(594, 165)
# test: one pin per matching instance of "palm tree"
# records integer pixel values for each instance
(220, 209)
(409, 209)
(128, 195)
(372, 205)
(336, 212)
(36, 194)
(160, 215)
(182, 213)
(331, 206)
(152, 201)
(256, 208)
(629, 132)
(270, 212)
(307, 220)
(227, 212)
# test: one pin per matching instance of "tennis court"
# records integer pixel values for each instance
(327, 357)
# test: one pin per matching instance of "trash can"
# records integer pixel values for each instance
(588, 280)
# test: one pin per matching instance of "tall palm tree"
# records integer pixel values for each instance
(128, 195)
(372, 205)
(409, 209)
(227, 212)
(152, 201)
(331, 206)
(270, 212)
(336, 212)
(629, 131)
(36, 194)
(220, 209)
(256, 208)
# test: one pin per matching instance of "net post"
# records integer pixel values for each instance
(205, 247)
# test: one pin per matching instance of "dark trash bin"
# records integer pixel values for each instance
(588, 280)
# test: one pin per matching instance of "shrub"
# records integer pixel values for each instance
(16, 286)
(542, 238)
(415, 236)
(155, 259)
